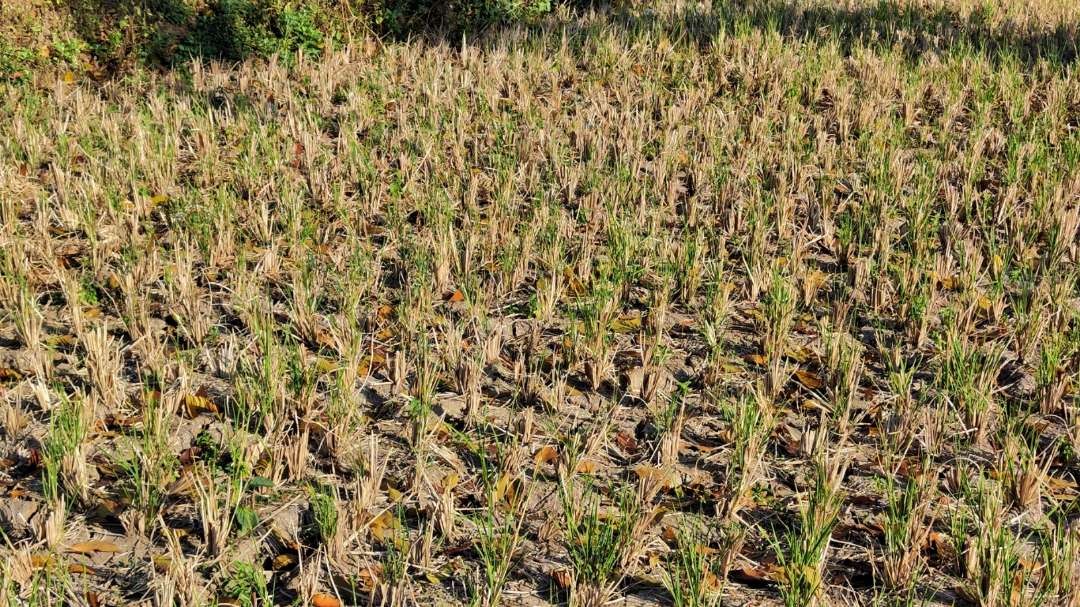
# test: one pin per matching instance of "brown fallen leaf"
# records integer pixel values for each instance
(373, 361)
(626, 442)
(325, 340)
(562, 578)
(939, 543)
(93, 546)
(800, 354)
(368, 577)
(545, 454)
(506, 488)
(587, 466)
(79, 568)
(1061, 488)
(756, 576)
(756, 359)
(666, 478)
(809, 379)
(324, 600)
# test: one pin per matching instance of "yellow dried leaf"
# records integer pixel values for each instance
(94, 546)
(195, 405)
(283, 561)
(324, 365)
(62, 341)
(394, 494)
(386, 528)
(801, 354)
(367, 363)
(627, 323)
(1061, 488)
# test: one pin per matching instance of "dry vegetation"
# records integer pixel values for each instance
(747, 304)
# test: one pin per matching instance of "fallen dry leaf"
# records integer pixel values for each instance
(79, 568)
(626, 442)
(756, 359)
(545, 455)
(368, 577)
(587, 466)
(324, 600)
(562, 578)
(809, 379)
(195, 405)
(93, 546)
(283, 561)
(627, 323)
(667, 478)
(756, 576)
(386, 529)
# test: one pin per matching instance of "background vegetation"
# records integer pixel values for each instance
(117, 34)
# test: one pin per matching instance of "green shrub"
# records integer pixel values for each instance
(398, 17)
(15, 62)
(234, 29)
(119, 35)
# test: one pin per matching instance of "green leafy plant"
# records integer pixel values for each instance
(247, 585)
